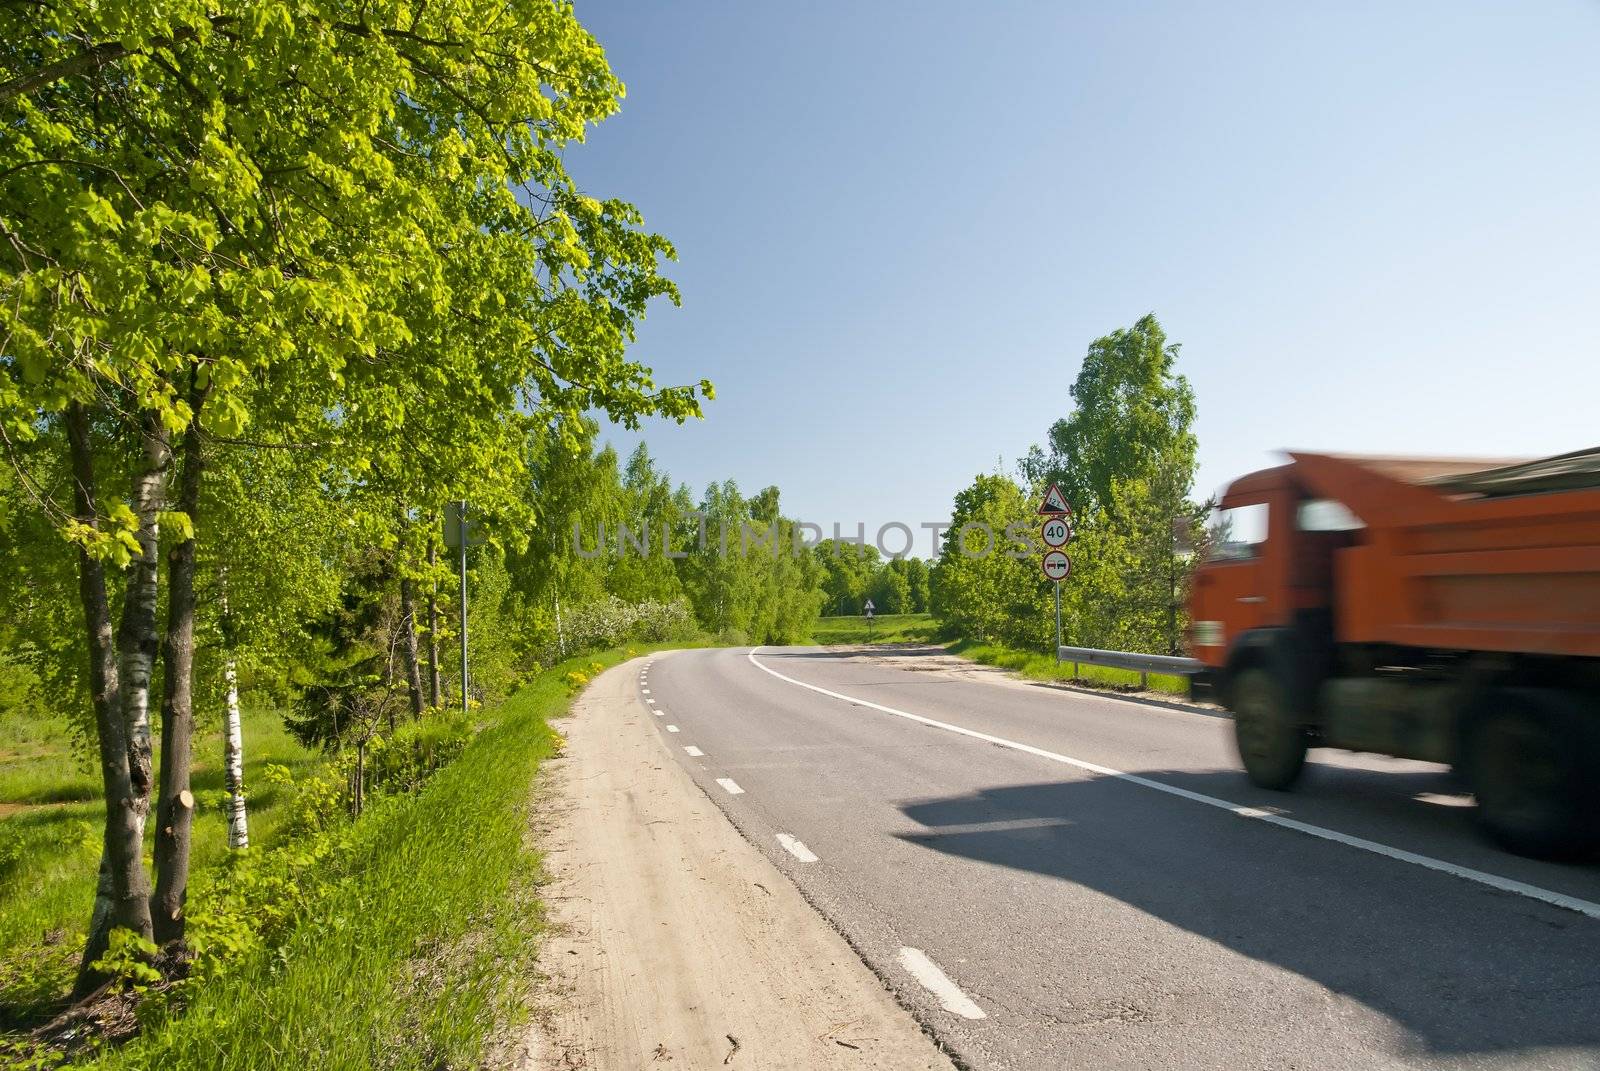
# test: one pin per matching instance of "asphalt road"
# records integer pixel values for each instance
(1051, 879)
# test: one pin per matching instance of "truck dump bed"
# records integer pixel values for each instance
(1456, 557)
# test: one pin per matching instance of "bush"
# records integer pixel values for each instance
(610, 622)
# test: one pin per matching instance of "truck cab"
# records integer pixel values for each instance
(1264, 591)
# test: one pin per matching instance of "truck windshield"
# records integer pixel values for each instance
(1236, 533)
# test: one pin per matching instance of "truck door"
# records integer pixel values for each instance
(1233, 589)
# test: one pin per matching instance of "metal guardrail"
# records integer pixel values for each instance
(1139, 663)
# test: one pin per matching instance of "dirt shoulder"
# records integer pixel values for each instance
(673, 942)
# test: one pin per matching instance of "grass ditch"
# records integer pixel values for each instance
(1043, 667)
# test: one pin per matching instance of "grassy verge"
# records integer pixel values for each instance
(1043, 667)
(51, 817)
(417, 954)
(888, 628)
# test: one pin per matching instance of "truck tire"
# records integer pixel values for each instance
(1272, 743)
(1529, 754)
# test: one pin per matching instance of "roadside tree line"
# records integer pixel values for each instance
(276, 283)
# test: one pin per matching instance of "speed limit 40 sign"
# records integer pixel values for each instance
(1056, 532)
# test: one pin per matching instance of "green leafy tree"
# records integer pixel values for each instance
(987, 578)
(848, 571)
(890, 591)
(915, 572)
(1125, 458)
(1132, 418)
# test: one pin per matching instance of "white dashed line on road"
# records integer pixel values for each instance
(672, 728)
(796, 849)
(935, 981)
(694, 751)
(731, 786)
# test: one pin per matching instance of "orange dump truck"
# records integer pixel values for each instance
(1444, 610)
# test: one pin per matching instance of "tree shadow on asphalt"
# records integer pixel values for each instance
(1462, 968)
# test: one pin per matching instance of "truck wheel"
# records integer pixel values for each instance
(1272, 743)
(1528, 752)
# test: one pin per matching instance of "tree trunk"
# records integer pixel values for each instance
(175, 813)
(233, 760)
(137, 642)
(122, 899)
(232, 733)
(561, 640)
(433, 626)
(408, 643)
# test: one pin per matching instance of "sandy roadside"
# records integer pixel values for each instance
(673, 941)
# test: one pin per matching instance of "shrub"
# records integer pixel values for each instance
(610, 622)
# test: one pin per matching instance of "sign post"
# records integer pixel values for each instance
(1055, 532)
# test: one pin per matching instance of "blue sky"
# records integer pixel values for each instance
(1373, 227)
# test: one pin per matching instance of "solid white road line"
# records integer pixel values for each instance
(694, 751)
(731, 785)
(935, 981)
(796, 849)
(1493, 881)
(672, 728)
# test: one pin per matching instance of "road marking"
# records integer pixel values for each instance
(647, 691)
(731, 785)
(935, 981)
(1493, 881)
(796, 849)
(672, 728)
(659, 713)
(694, 751)
(652, 702)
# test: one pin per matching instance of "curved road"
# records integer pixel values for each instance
(1054, 879)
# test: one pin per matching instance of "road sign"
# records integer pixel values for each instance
(1055, 502)
(1056, 532)
(868, 608)
(1056, 565)
(453, 525)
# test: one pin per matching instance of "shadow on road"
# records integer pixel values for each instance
(1461, 968)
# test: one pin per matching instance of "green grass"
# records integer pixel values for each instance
(1043, 667)
(423, 949)
(887, 628)
(51, 818)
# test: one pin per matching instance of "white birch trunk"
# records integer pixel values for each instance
(232, 731)
(137, 641)
(233, 760)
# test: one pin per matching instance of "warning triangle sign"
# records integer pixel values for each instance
(1054, 502)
